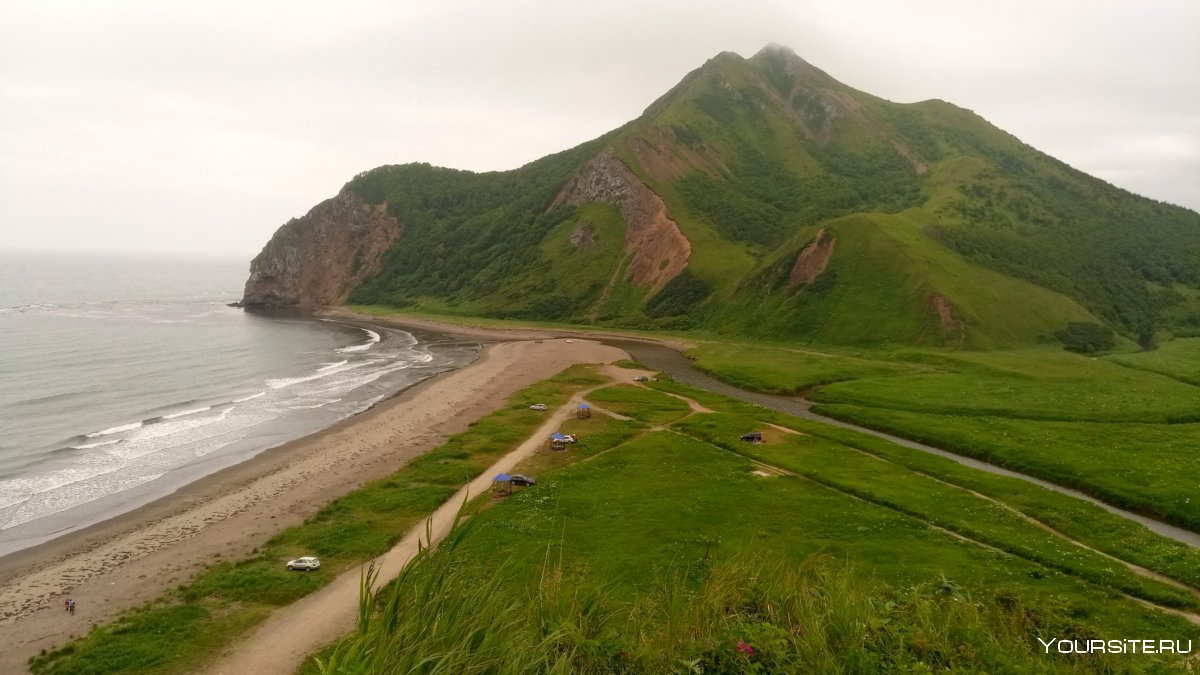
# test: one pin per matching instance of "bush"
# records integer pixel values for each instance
(1086, 338)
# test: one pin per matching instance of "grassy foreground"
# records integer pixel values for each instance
(664, 553)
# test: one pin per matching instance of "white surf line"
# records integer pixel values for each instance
(283, 642)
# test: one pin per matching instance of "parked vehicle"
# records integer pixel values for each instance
(641, 378)
(305, 564)
(538, 406)
(753, 437)
(522, 479)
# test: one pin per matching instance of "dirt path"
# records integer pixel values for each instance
(282, 643)
(672, 362)
(772, 469)
(1133, 567)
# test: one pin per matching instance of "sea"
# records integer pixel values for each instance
(125, 376)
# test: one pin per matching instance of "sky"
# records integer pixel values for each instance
(147, 125)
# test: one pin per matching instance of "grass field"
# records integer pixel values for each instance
(788, 369)
(666, 550)
(1040, 384)
(1179, 359)
(1122, 428)
(1134, 466)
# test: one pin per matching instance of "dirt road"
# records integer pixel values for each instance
(280, 645)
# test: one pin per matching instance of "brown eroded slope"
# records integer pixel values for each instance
(813, 260)
(655, 248)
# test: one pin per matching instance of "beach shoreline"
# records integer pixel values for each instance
(136, 556)
(109, 510)
(18, 562)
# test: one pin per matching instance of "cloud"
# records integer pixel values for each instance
(204, 126)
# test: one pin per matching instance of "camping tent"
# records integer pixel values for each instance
(502, 484)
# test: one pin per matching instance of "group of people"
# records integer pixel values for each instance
(69, 605)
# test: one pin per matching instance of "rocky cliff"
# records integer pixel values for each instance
(319, 258)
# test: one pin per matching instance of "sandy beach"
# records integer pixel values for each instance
(135, 557)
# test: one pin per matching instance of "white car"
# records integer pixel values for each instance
(538, 406)
(305, 564)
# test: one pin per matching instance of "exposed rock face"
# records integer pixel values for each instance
(584, 237)
(320, 258)
(655, 248)
(940, 320)
(813, 260)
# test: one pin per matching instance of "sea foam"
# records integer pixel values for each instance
(114, 430)
(101, 444)
(372, 338)
(181, 413)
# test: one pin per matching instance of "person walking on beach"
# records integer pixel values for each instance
(67, 604)
(71, 606)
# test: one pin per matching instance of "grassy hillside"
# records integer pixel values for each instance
(922, 225)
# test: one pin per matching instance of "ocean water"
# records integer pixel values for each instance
(123, 377)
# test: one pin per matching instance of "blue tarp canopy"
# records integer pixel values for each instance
(584, 405)
(557, 437)
(502, 478)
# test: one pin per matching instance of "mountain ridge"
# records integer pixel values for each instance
(763, 197)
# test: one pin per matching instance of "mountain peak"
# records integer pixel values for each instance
(783, 60)
(776, 50)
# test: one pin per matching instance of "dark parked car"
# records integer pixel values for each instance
(522, 479)
(753, 437)
(641, 378)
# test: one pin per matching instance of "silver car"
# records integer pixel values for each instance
(305, 564)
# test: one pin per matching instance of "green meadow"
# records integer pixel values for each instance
(667, 552)
(1123, 428)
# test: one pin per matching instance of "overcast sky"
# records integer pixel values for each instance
(203, 126)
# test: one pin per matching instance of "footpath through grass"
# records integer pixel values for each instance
(664, 552)
(1076, 519)
(1122, 428)
(181, 630)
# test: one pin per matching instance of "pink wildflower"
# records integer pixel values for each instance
(744, 648)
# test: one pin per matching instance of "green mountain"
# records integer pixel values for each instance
(761, 197)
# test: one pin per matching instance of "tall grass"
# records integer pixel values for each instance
(448, 613)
